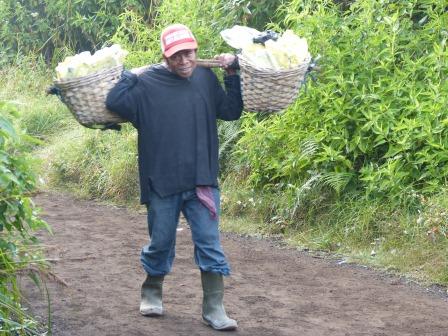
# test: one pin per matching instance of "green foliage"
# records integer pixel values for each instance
(56, 26)
(26, 78)
(18, 220)
(205, 19)
(135, 36)
(357, 165)
(254, 14)
(228, 133)
(372, 232)
(375, 120)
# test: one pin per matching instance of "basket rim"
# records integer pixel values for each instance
(88, 77)
(249, 66)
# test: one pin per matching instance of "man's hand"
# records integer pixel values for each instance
(225, 61)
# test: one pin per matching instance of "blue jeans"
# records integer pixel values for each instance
(163, 215)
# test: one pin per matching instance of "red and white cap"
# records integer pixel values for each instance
(176, 37)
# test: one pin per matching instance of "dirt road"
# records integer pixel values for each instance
(272, 291)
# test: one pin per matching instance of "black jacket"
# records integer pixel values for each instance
(176, 123)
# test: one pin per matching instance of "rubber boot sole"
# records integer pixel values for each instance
(151, 312)
(228, 327)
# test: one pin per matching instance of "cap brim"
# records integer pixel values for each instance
(179, 47)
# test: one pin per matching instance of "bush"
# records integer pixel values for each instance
(375, 120)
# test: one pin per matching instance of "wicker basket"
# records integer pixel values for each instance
(267, 90)
(85, 96)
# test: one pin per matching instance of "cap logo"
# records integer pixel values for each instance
(177, 36)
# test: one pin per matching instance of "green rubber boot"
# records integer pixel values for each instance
(151, 303)
(213, 311)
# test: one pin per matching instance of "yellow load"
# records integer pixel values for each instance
(85, 63)
(287, 52)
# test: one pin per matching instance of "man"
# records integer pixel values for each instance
(174, 107)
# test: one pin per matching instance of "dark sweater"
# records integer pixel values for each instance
(176, 123)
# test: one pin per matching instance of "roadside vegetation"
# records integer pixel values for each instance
(20, 254)
(356, 167)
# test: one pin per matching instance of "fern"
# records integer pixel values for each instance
(303, 191)
(308, 148)
(228, 133)
(336, 181)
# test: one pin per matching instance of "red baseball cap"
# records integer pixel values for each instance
(177, 37)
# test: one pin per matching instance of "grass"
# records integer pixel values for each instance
(96, 164)
(24, 87)
(241, 225)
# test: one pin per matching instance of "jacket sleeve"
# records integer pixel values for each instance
(229, 102)
(123, 98)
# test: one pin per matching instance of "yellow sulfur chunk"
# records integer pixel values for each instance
(84, 63)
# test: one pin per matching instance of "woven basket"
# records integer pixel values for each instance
(267, 90)
(86, 96)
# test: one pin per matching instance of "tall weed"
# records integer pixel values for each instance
(357, 165)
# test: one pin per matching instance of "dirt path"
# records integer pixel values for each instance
(273, 290)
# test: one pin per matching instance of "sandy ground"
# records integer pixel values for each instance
(273, 290)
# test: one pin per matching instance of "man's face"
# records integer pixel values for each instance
(182, 63)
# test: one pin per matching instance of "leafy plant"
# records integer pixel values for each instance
(18, 220)
(377, 112)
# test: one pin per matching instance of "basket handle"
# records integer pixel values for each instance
(208, 63)
(213, 63)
